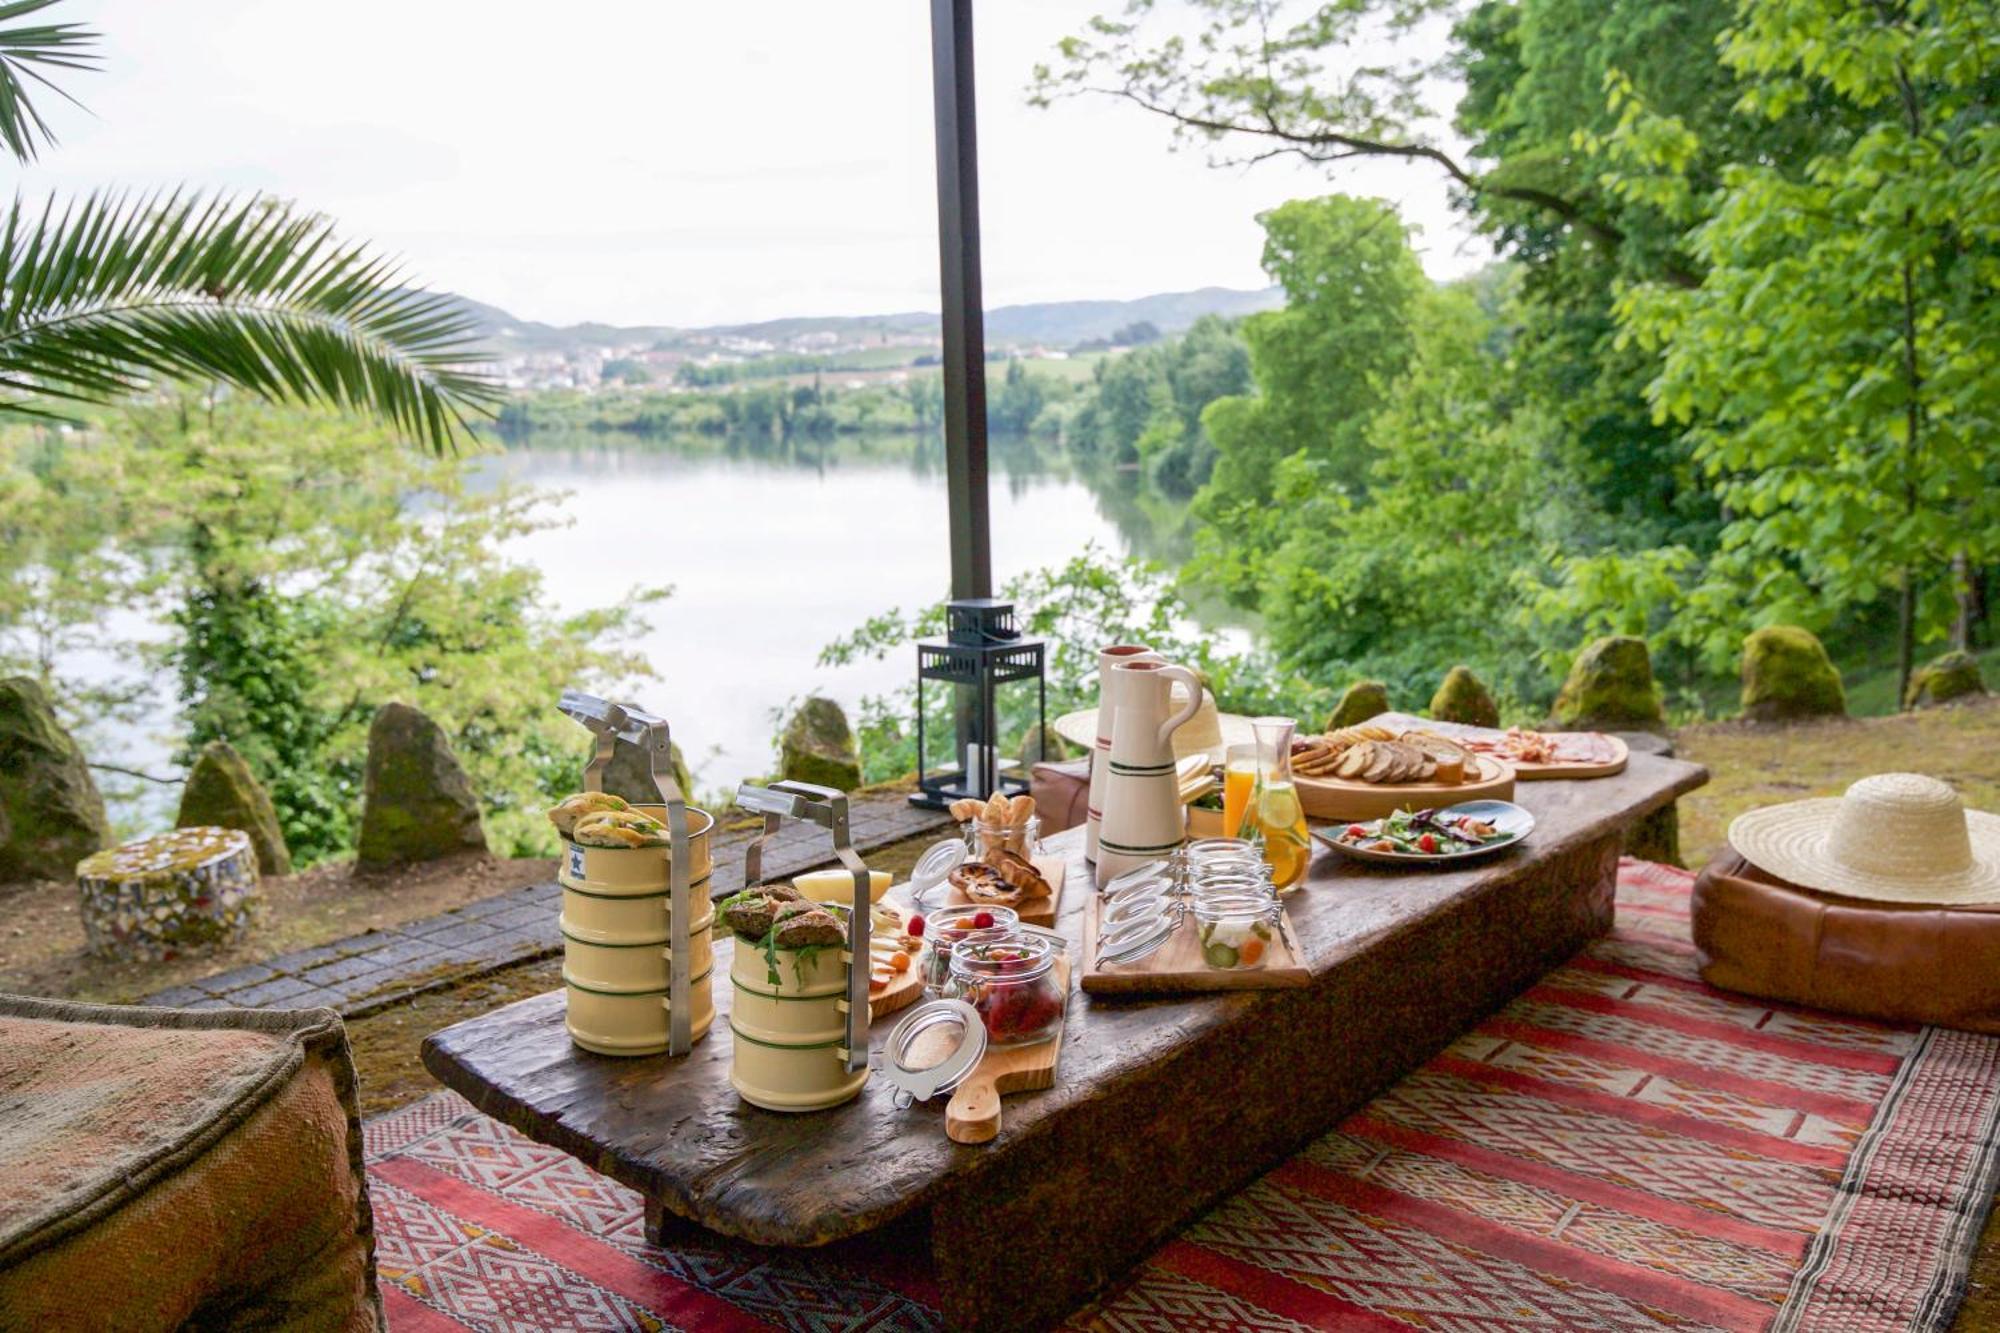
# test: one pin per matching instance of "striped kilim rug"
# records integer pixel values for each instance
(1620, 1148)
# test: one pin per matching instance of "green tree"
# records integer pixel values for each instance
(1323, 366)
(303, 573)
(1839, 366)
(112, 293)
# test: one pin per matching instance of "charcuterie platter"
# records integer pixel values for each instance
(1538, 755)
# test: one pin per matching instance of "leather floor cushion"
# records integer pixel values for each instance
(1759, 935)
(1061, 789)
(166, 1168)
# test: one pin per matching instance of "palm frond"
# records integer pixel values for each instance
(25, 51)
(104, 294)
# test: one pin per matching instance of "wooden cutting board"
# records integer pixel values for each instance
(973, 1114)
(1039, 912)
(904, 988)
(1177, 965)
(1609, 756)
(1339, 799)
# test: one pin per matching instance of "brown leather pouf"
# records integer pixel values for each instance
(165, 1168)
(1759, 935)
(1062, 793)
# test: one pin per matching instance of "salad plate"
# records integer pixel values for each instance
(1429, 837)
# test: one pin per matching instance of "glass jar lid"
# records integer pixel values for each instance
(932, 1050)
(934, 867)
(1139, 936)
(944, 925)
(1006, 962)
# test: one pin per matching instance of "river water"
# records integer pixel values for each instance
(774, 554)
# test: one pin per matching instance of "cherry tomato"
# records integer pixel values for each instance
(1427, 844)
(1356, 831)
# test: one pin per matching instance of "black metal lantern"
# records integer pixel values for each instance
(982, 650)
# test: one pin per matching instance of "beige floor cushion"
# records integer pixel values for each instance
(161, 1168)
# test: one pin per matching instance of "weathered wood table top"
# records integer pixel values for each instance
(676, 1131)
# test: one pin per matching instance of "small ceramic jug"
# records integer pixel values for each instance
(1107, 709)
(1143, 820)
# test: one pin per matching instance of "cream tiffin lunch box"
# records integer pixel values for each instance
(632, 1022)
(788, 1033)
(634, 964)
(616, 924)
(619, 897)
(637, 871)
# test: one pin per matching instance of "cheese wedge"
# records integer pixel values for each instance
(837, 886)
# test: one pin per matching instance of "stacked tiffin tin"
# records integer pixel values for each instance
(637, 924)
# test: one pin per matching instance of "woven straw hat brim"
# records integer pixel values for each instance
(1080, 729)
(1790, 841)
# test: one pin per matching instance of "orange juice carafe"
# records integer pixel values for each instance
(1239, 784)
(1275, 816)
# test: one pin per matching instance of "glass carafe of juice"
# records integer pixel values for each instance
(1239, 784)
(1279, 819)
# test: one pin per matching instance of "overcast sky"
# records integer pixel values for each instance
(673, 161)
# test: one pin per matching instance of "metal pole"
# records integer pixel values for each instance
(964, 307)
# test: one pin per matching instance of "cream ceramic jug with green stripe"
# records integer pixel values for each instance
(1143, 819)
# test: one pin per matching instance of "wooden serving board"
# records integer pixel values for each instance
(1335, 799)
(1613, 748)
(1177, 965)
(904, 988)
(973, 1114)
(1040, 912)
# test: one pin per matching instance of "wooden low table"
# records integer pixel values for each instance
(1161, 1106)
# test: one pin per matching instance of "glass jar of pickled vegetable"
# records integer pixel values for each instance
(1235, 929)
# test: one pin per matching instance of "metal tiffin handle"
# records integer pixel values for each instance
(609, 723)
(826, 807)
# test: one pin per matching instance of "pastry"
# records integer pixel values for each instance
(1020, 873)
(982, 883)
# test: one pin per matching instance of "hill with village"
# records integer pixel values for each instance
(535, 355)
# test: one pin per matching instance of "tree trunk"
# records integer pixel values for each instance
(1906, 638)
(1968, 604)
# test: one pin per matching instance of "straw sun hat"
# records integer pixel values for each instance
(1210, 731)
(1894, 837)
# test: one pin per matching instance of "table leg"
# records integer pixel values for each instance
(1082, 1200)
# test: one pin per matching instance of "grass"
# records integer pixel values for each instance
(1872, 692)
(1751, 766)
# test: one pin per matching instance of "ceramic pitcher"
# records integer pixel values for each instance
(1143, 819)
(1100, 752)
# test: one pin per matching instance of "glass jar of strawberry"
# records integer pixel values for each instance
(948, 926)
(1012, 983)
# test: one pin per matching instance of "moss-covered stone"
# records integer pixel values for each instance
(51, 815)
(222, 792)
(818, 746)
(1952, 676)
(630, 773)
(416, 802)
(1464, 698)
(1787, 675)
(1364, 699)
(1610, 688)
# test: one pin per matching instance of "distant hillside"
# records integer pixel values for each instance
(1052, 323)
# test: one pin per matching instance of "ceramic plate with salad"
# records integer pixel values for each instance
(1413, 837)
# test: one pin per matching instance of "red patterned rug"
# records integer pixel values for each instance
(1620, 1148)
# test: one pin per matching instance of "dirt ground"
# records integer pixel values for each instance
(42, 943)
(1750, 766)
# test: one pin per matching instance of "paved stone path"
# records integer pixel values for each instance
(364, 973)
